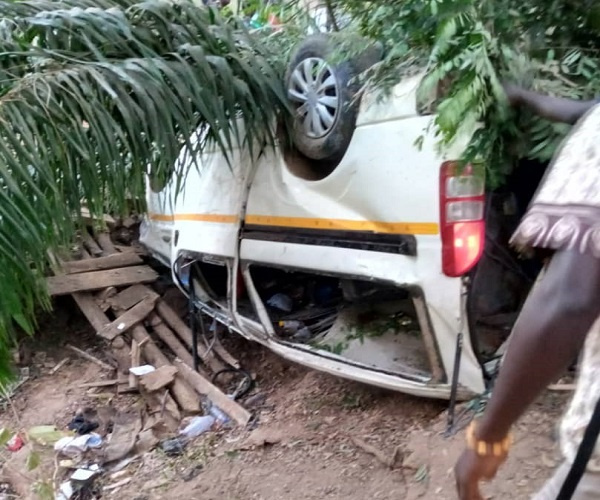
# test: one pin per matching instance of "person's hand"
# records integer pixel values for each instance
(513, 92)
(472, 468)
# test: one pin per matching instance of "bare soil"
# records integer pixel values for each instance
(307, 441)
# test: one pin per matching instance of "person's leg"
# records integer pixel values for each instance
(588, 488)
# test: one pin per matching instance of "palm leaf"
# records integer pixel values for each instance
(91, 94)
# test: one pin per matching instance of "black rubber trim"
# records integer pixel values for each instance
(402, 244)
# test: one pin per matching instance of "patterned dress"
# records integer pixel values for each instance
(565, 214)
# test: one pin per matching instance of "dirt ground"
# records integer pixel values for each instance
(308, 440)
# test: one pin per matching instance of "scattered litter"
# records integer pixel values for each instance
(74, 446)
(65, 491)
(197, 426)
(142, 370)
(282, 302)
(302, 335)
(219, 415)
(124, 436)
(86, 474)
(82, 425)
(173, 447)
(15, 443)
(290, 327)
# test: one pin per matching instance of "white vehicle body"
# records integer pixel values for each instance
(385, 185)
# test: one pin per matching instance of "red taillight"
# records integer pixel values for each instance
(462, 203)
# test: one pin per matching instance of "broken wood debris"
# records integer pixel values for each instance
(158, 379)
(110, 286)
(106, 220)
(130, 318)
(89, 357)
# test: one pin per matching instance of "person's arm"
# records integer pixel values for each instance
(549, 333)
(557, 109)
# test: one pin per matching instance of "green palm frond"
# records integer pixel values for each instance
(91, 93)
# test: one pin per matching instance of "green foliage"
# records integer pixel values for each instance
(471, 47)
(91, 93)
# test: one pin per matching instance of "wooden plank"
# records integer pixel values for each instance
(170, 339)
(106, 244)
(158, 379)
(101, 263)
(136, 360)
(212, 392)
(131, 296)
(91, 245)
(91, 310)
(122, 354)
(97, 280)
(132, 317)
(181, 390)
(89, 357)
(107, 220)
(184, 332)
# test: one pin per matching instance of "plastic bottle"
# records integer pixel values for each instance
(290, 327)
(220, 415)
(197, 426)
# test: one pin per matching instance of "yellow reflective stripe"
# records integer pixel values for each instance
(421, 228)
(345, 224)
(221, 218)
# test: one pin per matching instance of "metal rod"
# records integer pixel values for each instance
(192, 313)
(454, 386)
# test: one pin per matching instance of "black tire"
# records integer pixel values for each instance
(330, 146)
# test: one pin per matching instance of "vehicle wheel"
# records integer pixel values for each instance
(323, 96)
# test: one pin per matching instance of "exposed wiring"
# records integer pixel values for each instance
(243, 387)
(209, 346)
(192, 319)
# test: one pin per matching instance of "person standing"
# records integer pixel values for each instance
(561, 314)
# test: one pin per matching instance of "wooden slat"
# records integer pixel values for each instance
(91, 310)
(101, 263)
(132, 317)
(105, 219)
(131, 296)
(158, 379)
(181, 390)
(91, 245)
(171, 340)
(212, 392)
(97, 280)
(106, 244)
(185, 334)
